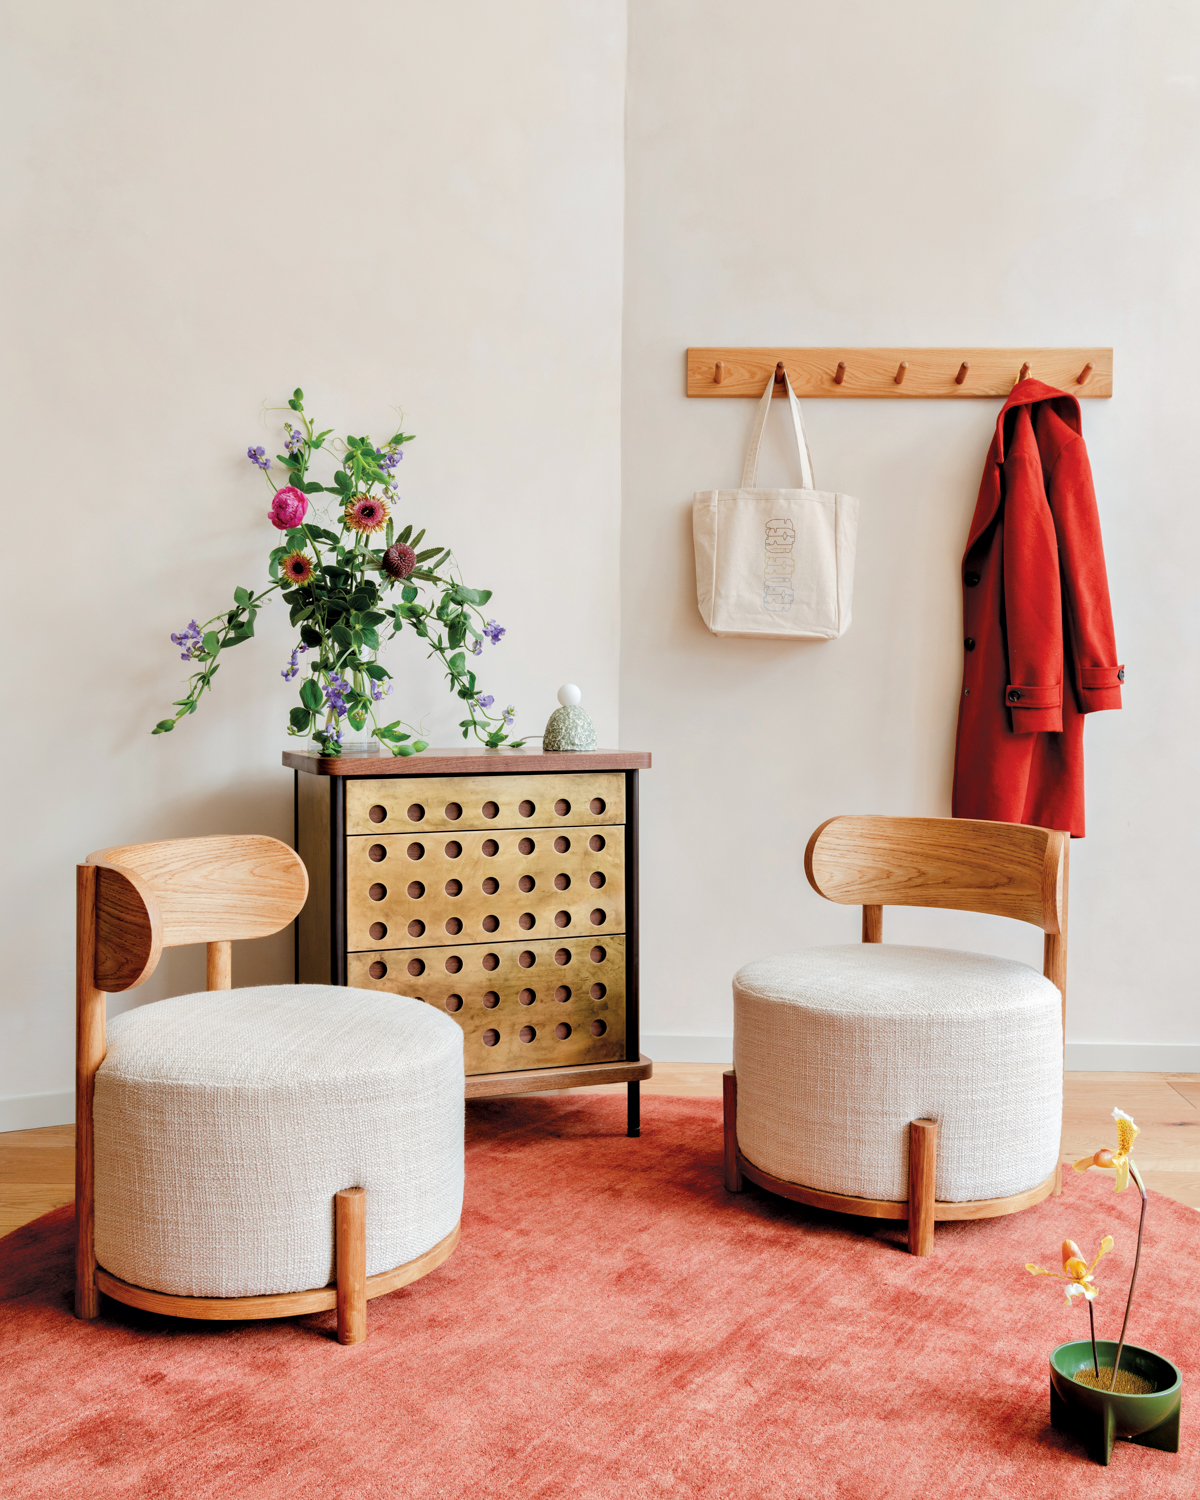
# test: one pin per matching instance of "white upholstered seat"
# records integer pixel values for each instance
(225, 1122)
(837, 1050)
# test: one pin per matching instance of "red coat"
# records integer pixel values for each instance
(1038, 642)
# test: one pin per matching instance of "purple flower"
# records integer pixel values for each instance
(484, 702)
(477, 649)
(380, 689)
(258, 457)
(494, 632)
(295, 439)
(335, 694)
(389, 458)
(293, 665)
(189, 639)
(510, 714)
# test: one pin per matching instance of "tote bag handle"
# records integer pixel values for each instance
(750, 471)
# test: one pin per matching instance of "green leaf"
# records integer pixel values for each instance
(416, 541)
(405, 534)
(357, 719)
(370, 638)
(342, 637)
(211, 642)
(470, 596)
(310, 694)
(408, 593)
(428, 553)
(300, 719)
(240, 596)
(457, 662)
(312, 488)
(310, 636)
(164, 726)
(342, 480)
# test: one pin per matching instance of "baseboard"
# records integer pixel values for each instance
(33, 1111)
(1082, 1057)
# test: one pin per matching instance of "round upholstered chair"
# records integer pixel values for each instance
(904, 1082)
(257, 1152)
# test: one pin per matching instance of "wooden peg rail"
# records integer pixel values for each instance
(920, 373)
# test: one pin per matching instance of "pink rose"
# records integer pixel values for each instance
(288, 508)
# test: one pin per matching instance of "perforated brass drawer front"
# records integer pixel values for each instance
(404, 889)
(396, 804)
(520, 1005)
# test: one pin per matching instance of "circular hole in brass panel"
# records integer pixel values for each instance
(415, 851)
(595, 879)
(527, 959)
(490, 923)
(490, 810)
(453, 964)
(416, 813)
(562, 1031)
(561, 882)
(562, 843)
(378, 930)
(526, 883)
(415, 967)
(598, 954)
(562, 807)
(377, 814)
(562, 919)
(453, 926)
(453, 849)
(415, 889)
(490, 1038)
(599, 917)
(490, 847)
(598, 1028)
(597, 805)
(527, 809)
(490, 886)
(526, 846)
(454, 1002)
(377, 892)
(416, 929)
(527, 1033)
(527, 920)
(378, 969)
(453, 811)
(491, 961)
(563, 956)
(377, 852)
(598, 991)
(563, 993)
(454, 887)
(527, 997)
(596, 842)
(491, 1000)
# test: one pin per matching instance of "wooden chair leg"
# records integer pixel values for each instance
(733, 1175)
(350, 1230)
(89, 1054)
(922, 1171)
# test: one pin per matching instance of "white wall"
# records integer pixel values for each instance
(930, 174)
(205, 205)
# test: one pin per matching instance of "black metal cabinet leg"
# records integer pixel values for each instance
(635, 1108)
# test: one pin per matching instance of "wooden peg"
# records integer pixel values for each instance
(780, 373)
(840, 373)
(901, 372)
(1084, 374)
(1024, 375)
(720, 375)
(962, 372)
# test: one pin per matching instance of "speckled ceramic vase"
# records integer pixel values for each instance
(569, 728)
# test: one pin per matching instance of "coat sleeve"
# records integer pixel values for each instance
(1032, 600)
(1090, 641)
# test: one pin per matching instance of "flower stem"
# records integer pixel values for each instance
(1133, 1279)
(1092, 1321)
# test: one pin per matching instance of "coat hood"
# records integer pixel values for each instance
(1028, 393)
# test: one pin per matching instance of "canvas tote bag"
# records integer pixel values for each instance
(775, 563)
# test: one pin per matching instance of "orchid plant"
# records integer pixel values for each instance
(1076, 1271)
(336, 579)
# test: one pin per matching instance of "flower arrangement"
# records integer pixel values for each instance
(1078, 1273)
(336, 578)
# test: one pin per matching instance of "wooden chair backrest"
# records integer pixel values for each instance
(1006, 869)
(208, 890)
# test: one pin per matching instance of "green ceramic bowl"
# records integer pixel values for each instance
(1130, 1415)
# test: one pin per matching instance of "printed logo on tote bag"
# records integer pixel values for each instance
(778, 593)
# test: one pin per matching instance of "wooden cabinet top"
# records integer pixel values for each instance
(465, 760)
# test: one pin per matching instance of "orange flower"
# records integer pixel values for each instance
(365, 513)
(1114, 1161)
(296, 567)
(1076, 1272)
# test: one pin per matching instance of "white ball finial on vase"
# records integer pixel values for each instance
(569, 729)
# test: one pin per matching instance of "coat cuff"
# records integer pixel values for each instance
(1035, 710)
(1100, 687)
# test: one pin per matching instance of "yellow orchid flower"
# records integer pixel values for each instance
(1076, 1272)
(1117, 1160)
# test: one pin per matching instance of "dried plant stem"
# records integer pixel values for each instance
(1092, 1321)
(1133, 1279)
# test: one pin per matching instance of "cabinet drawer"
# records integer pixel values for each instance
(521, 1005)
(420, 804)
(474, 886)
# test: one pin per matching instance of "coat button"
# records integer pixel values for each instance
(969, 643)
(1014, 696)
(970, 579)
(1120, 674)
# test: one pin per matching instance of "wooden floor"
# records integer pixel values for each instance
(37, 1167)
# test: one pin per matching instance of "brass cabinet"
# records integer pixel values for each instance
(499, 886)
